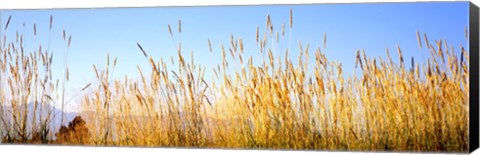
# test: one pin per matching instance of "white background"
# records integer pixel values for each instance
(74, 150)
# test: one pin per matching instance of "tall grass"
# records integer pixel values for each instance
(275, 104)
(27, 90)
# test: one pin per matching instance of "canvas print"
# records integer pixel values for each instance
(337, 77)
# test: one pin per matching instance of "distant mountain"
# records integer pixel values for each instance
(42, 110)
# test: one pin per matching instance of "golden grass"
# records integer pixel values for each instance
(273, 105)
(25, 78)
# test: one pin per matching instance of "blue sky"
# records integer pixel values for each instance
(349, 27)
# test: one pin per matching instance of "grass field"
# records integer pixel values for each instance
(389, 104)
